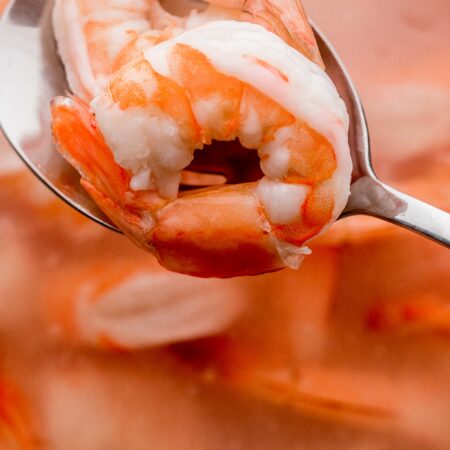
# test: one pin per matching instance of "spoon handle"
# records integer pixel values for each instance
(371, 197)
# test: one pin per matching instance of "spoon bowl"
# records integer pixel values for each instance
(31, 74)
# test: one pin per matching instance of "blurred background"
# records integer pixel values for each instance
(352, 351)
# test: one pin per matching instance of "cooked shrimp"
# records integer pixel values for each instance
(222, 81)
(92, 35)
(126, 305)
(423, 313)
(96, 38)
(14, 427)
(286, 18)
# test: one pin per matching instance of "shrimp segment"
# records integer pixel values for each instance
(96, 38)
(287, 19)
(14, 424)
(184, 94)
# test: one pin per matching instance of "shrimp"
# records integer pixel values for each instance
(123, 305)
(287, 19)
(14, 426)
(222, 81)
(419, 314)
(96, 38)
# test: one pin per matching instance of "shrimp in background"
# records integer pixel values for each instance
(184, 94)
(119, 300)
(131, 305)
(15, 433)
(96, 38)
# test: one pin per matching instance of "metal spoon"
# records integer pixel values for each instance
(31, 74)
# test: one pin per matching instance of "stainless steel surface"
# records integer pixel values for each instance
(372, 197)
(31, 74)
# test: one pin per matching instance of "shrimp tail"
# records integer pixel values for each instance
(81, 143)
(285, 18)
(300, 30)
(84, 146)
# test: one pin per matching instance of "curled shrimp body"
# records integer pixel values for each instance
(96, 38)
(221, 81)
